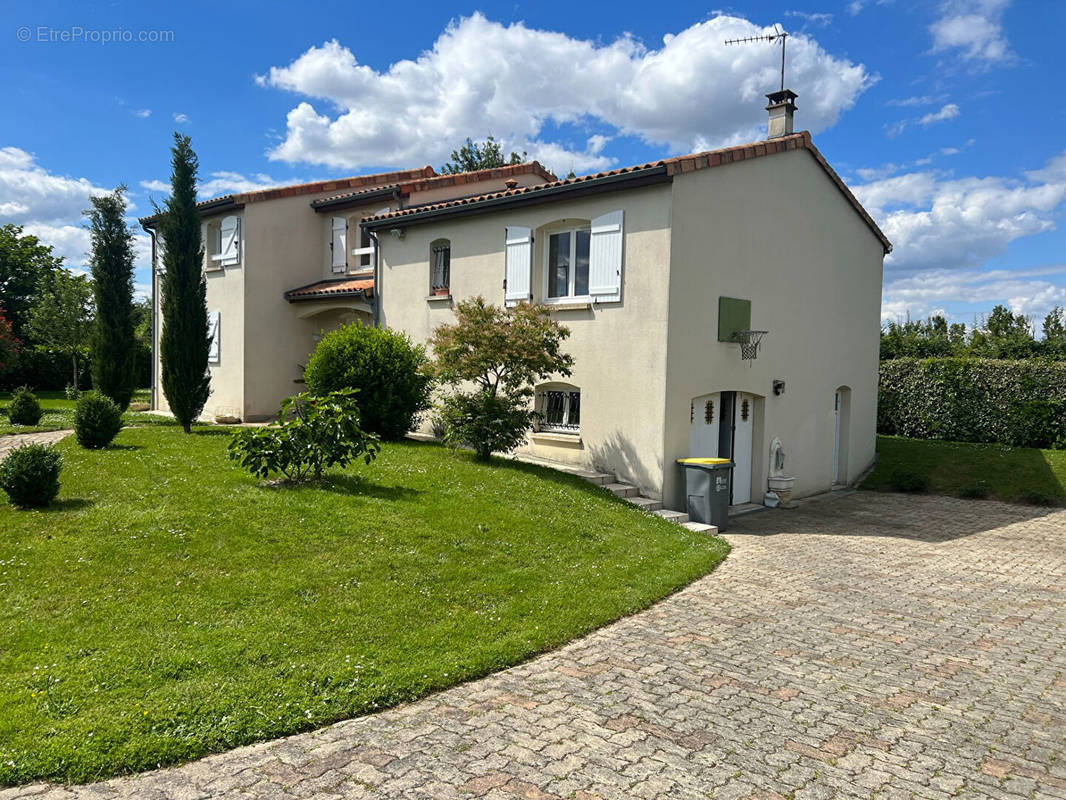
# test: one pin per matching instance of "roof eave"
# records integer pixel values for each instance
(355, 199)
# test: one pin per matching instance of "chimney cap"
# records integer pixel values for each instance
(510, 183)
(782, 96)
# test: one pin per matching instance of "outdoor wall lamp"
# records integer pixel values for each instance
(779, 386)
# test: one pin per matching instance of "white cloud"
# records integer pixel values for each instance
(820, 19)
(950, 111)
(953, 223)
(225, 182)
(156, 186)
(974, 30)
(31, 193)
(181, 119)
(143, 113)
(1032, 292)
(481, 77)
(908, 102)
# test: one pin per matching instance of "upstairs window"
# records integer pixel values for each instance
(567, 263)
(338, 244)
(223, 242)
(440, 266)
(560, 408)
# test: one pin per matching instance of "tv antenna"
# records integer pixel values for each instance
(779, 35)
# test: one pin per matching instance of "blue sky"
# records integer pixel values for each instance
(942, 116)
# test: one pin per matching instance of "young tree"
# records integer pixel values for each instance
(112, 342)
(502, 352)
(24, 262)
(60, 317)
(9, 345)
(473, 156)
(184, 345)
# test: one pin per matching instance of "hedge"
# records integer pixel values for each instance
(47, 370)
(1020, 403)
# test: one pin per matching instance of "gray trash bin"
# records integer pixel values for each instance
(707, 489)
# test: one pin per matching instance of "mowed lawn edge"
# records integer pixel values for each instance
(170, 606)
(973, 470)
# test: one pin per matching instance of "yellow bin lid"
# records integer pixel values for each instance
(704, 461)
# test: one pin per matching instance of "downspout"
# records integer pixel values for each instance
(152, 399)
(376, 305)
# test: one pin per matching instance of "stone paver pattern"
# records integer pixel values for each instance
(869, 646)
(10, 442)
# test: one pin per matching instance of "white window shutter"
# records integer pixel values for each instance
(213, 320)
(518, 278)
(605, 257)
(339, 243)
(230, 250)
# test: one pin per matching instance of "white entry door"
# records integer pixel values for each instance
(703, 433)
(744, 423)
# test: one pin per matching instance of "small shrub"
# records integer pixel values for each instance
(24, 408)
(389, 371)
(486, 422)
(72, 392)
(976, 491)
(1035, 497)
(313, 434)
(30, 475)
(97, 420)
(905, 480)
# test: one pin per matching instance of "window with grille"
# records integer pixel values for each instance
(440, 264)
(708, 412)
(560, 410)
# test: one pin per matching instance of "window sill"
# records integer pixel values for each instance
(550, 438)
(439, 298)
(555, 306)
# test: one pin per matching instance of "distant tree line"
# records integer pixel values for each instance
(1002, 335)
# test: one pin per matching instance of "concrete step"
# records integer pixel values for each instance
(622, 489)
(678, 517)
(699, 527)
(598, 478)
(645, 503)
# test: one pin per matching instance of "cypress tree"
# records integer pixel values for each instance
(183, 346)
(112, 341)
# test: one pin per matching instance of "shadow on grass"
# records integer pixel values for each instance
(213, 431)
(66, 504)
(124, 447)
(344, 484)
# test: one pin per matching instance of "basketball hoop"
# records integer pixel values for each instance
(749, 343)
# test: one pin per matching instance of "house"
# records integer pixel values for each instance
(666, 274)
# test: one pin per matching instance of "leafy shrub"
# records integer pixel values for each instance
(72, 392)
(1019, 403)
(97, 420)
(976, 491)
(905, 480)
(30, 475)
(45, 369)
(389, 372)
(488, 423)
(24, 408)
(313, 433)
(1035, 497)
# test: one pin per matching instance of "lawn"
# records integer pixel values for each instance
(59, 413)
(170, 606)
(995, 471)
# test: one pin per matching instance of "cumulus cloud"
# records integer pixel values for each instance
(1033, 292)
(974, 30)
(481, 77)
(942, 222)
(181, 119)
(225, 182)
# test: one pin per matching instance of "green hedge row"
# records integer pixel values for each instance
(47, 370)
(1021, 403)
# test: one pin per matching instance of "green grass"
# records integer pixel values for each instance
(59, 413)
(995, 471)
(170, 606)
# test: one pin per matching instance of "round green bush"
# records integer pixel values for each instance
(30, 475)
(389, 371)
(96, 420)
(24, 408)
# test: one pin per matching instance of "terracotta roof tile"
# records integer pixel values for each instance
(673, 166)
(336, 287)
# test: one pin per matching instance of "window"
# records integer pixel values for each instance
(338, 243)
(567, 263)
(223, 243)
(440, 266)
(213, 332)
(560, 409)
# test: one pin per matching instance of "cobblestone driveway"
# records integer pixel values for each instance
(865, 646)
(9, 443)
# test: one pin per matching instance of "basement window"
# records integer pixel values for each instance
(559, 407)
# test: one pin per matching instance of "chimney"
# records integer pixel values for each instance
(782, 109)
(510, 183)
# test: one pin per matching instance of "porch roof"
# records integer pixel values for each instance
(332, 288)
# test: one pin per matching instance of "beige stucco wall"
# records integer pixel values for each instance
(618, 348)
(777, 231)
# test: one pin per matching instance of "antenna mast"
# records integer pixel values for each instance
(779, 35)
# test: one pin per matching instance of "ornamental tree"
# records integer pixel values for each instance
(183, 344)
(502, 353)
(9, 345)
(112, 342)
(59, 318)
